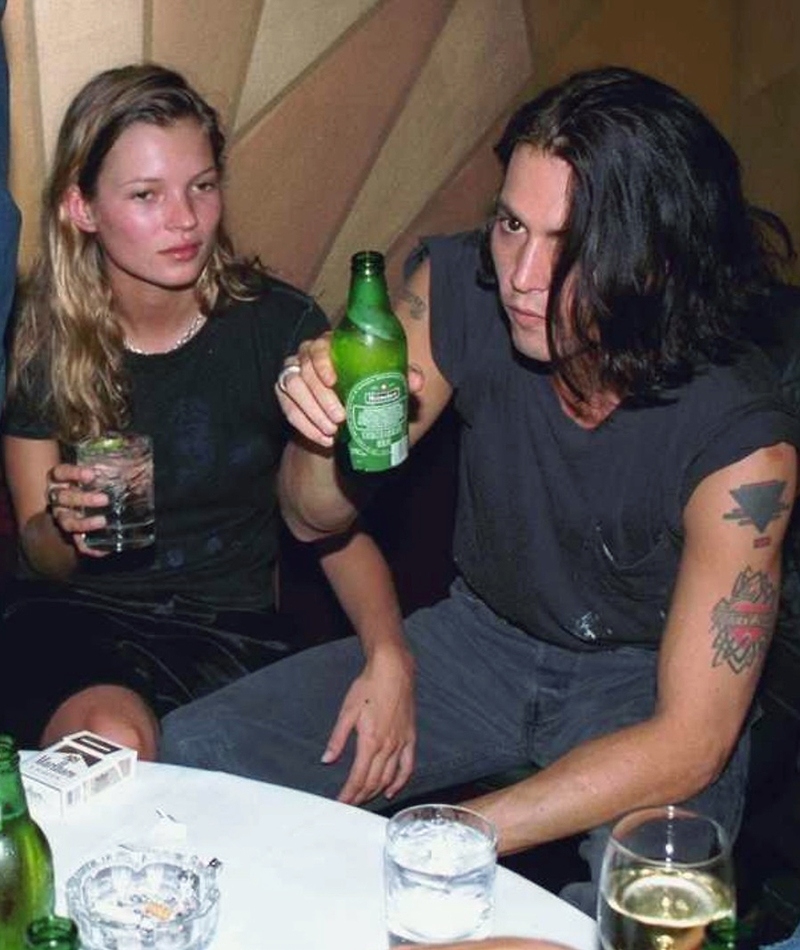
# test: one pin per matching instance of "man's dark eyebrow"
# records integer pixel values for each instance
(500, 207)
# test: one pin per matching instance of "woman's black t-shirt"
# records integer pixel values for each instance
(218, 434)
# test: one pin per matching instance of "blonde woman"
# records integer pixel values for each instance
(139, 316)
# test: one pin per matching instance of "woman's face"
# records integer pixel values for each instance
(156, 208)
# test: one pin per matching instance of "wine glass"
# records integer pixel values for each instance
(666, 882)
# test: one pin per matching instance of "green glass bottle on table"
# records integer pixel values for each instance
(370, 357)
(53, 933)
(26, 865)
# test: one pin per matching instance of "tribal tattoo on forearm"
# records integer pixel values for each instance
(742, 623)
(758, 505)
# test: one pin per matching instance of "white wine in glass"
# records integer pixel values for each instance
(666, 882)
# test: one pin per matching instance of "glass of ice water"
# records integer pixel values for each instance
(123, 468)
(666, 882)
(439, 866)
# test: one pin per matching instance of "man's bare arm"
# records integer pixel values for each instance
(318, 503)
(315, 499)
(379, 705)
(717, 634)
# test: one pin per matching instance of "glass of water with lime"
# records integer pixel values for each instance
(440, 863)
(123, 466)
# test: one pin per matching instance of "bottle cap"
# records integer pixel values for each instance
(367, 262)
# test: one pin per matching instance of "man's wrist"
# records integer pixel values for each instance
(390, 647)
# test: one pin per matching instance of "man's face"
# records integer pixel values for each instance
(531, 217)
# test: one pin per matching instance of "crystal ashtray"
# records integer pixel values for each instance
(153, 899)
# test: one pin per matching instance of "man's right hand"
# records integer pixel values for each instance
(306, 394)
(305, 391)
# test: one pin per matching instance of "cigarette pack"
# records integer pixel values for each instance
(73, 770)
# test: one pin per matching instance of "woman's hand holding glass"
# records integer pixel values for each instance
(68, 496)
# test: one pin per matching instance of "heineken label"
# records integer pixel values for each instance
(377, 422)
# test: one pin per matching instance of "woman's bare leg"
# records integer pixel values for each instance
(114, 712)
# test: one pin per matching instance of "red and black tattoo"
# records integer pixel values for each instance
(742, 623)
(759, 504)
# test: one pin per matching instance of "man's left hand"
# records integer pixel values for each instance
(379, 706)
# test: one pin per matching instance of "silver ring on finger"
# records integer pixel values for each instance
(291, 370)
(52, 496)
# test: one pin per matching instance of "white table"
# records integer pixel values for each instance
(299, 872)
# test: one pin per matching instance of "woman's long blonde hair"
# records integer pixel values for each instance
(68, 342)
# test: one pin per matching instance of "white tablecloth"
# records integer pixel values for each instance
(299, 872)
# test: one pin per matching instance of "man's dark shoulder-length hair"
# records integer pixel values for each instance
(663, 253)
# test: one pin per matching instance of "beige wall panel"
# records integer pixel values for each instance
(462, 204)
(478, 66)
(552, 22)
(26, 170)
(294, 175)
(769, 33)
(687, 43)
(76, 39)
(291, 35)
(209, 41)
(769, 144)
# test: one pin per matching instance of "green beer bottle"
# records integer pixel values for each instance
(53, 933)
(370, 357)
(26, 865)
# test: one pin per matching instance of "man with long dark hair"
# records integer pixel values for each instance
(627, 471)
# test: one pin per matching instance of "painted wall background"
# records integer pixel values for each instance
(356, 123)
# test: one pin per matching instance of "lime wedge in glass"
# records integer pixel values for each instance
(103, 444)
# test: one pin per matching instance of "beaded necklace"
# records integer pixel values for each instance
(192, 330)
